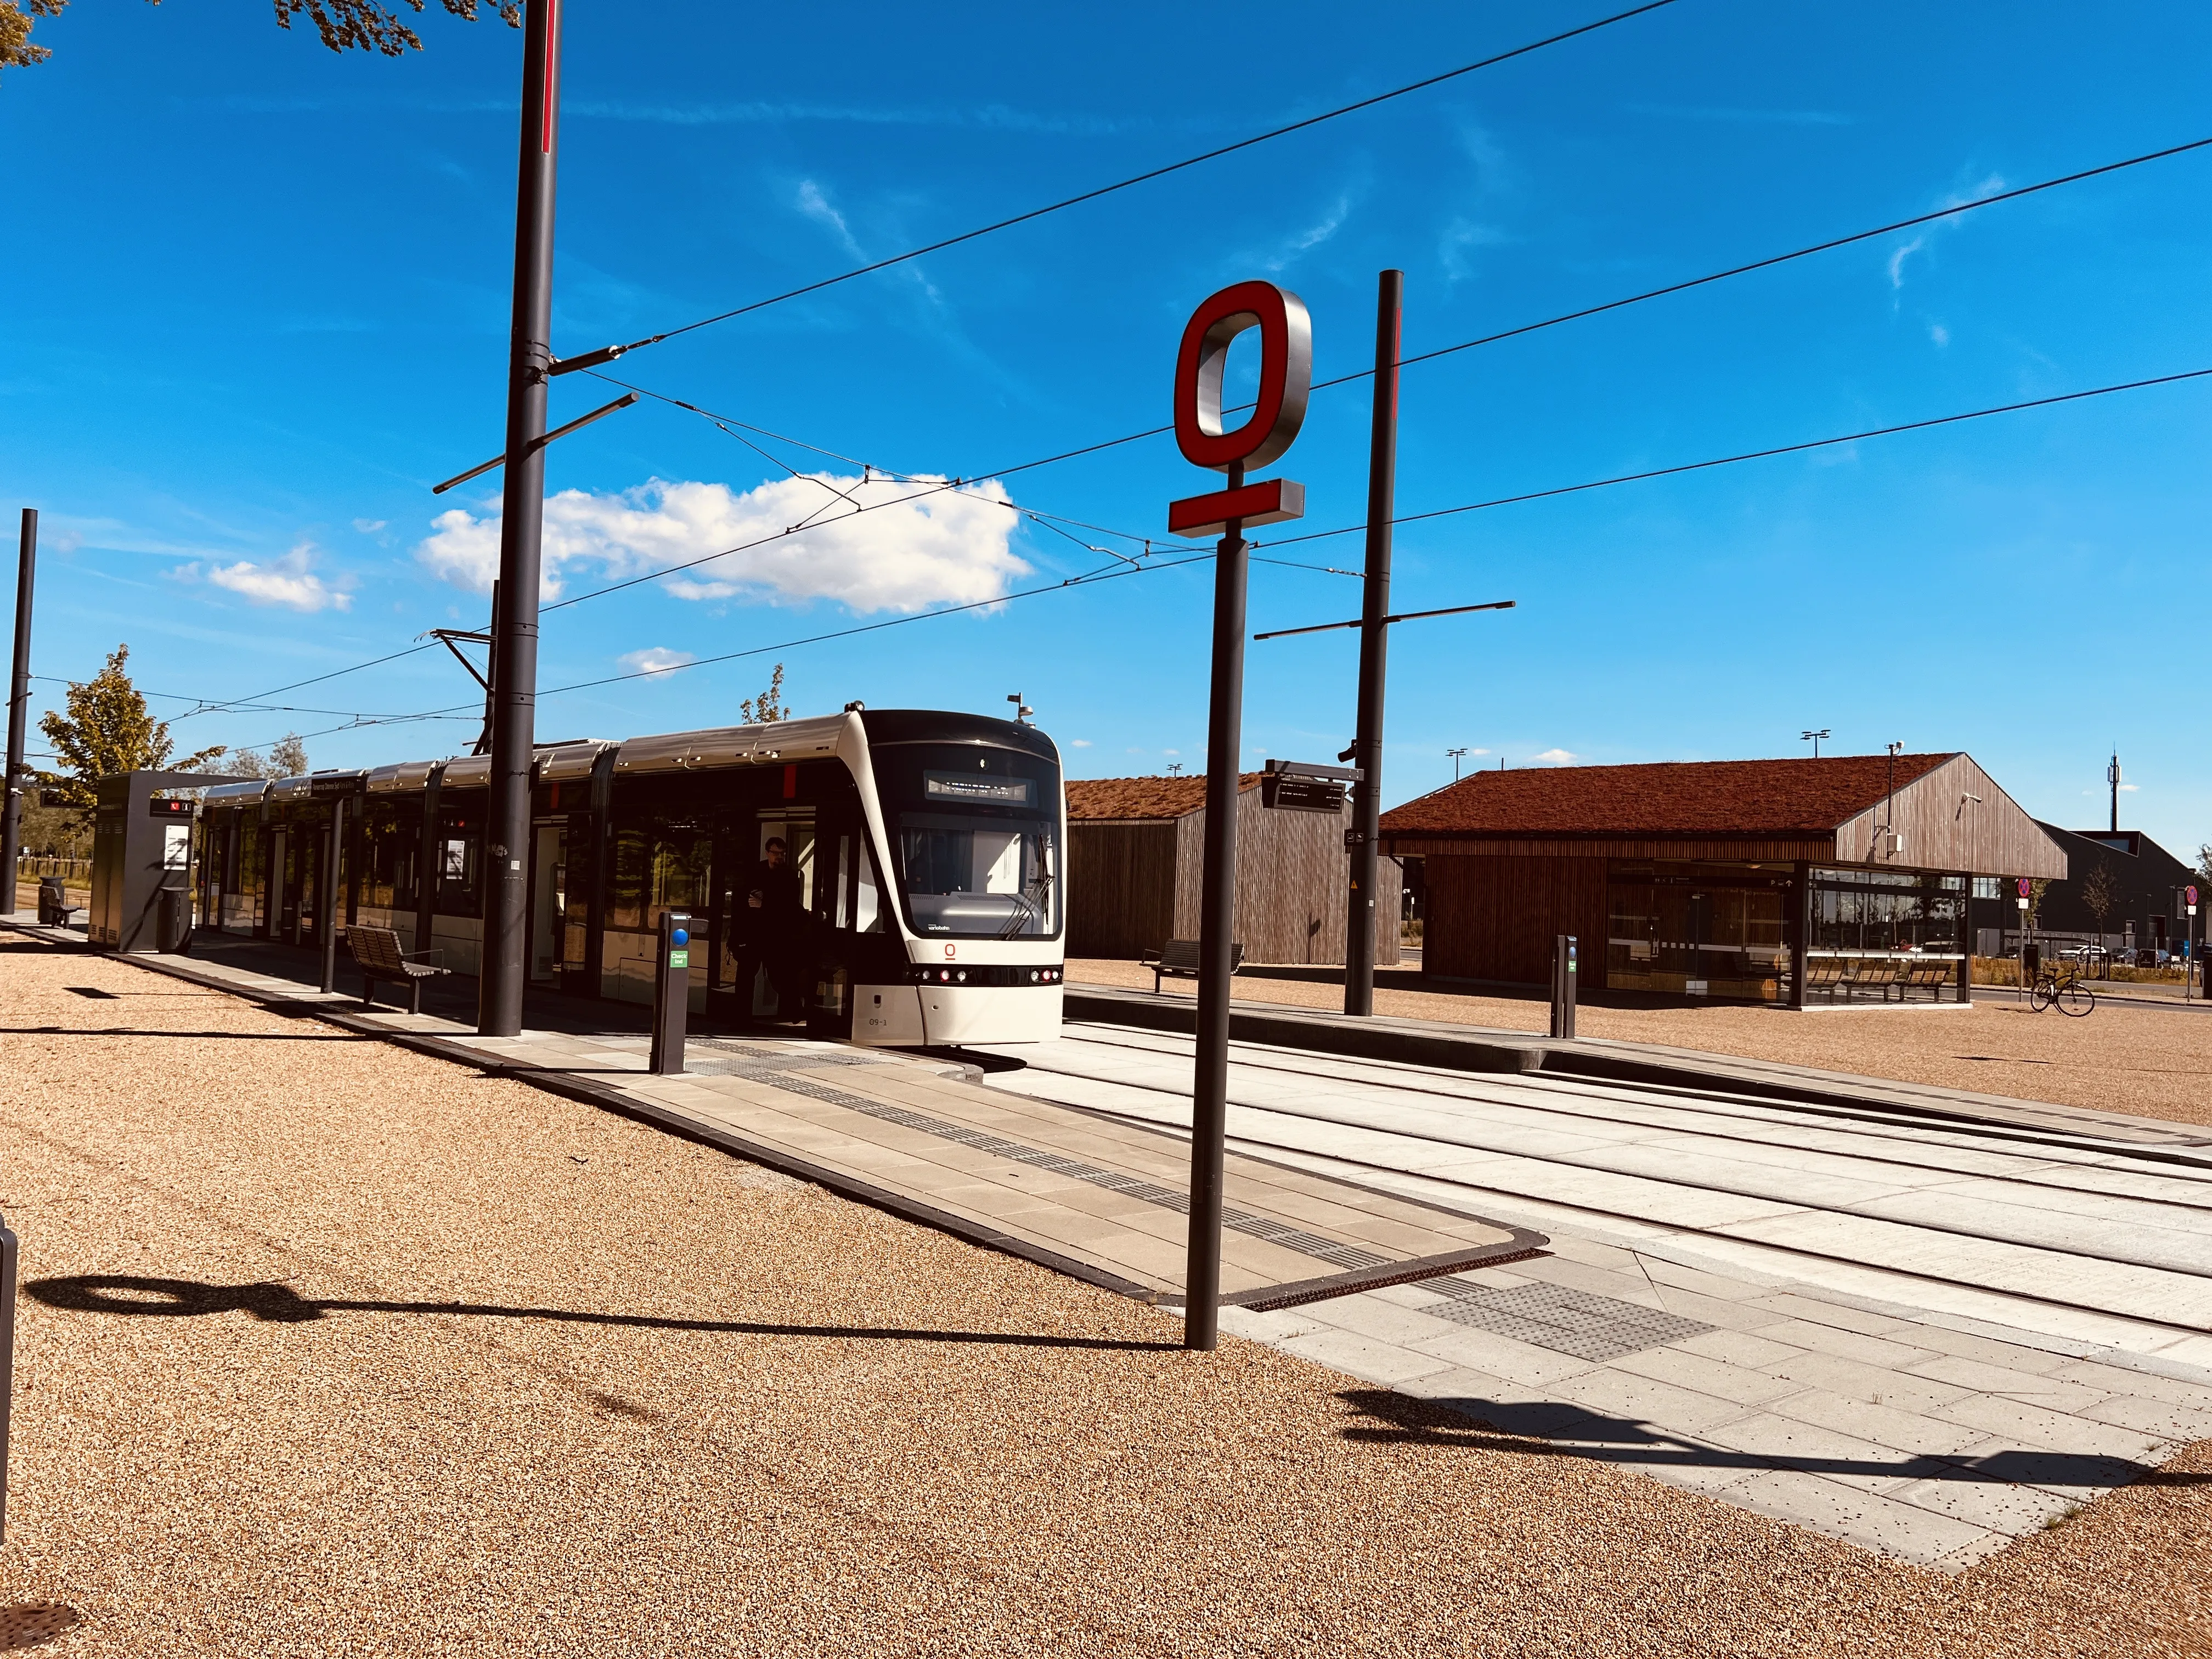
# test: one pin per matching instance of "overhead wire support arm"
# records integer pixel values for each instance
(1403, 616)
(500, 459)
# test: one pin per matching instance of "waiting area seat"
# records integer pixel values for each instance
(376, 951)
(1178, 959)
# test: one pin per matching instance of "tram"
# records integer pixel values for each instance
(891, 877)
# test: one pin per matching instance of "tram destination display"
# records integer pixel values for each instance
(1292, 793)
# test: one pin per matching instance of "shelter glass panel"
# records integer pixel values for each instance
(1702, 930)
(1886, 936)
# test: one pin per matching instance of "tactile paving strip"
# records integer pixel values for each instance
(1350, 1257)
(1566, 1321)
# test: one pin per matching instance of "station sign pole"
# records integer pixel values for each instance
(514, 651)
(1285, 379)
(19, 707)
(1360, 920)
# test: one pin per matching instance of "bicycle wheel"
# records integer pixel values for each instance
(2078, 1000)
(2041, 994)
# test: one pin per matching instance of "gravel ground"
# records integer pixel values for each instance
(2152, 1062)
(783, 1422)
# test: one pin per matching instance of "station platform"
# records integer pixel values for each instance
(1086, 1194)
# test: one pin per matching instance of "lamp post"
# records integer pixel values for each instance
(1814, 738)
(1456, 754)
(19, 708)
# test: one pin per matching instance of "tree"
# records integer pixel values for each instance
(2101, 893)
(2204, 864)
(345, 25)
(769, 705)
(287, 758)
(107, 730)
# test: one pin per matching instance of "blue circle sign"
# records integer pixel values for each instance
(679, 938)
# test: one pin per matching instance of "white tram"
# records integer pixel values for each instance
(928, 849)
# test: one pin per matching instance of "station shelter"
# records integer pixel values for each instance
(1807, 883)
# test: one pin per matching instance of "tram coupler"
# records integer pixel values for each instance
(671, 994)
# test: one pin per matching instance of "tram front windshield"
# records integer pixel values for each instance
(976, 833)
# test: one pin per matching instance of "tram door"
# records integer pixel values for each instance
(548, 876)
(307, 885)
(760, 943)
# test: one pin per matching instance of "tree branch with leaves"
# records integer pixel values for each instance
(104, 729)
(344, 25)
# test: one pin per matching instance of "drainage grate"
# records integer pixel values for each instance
(1350, 1257)
(1566, 1321)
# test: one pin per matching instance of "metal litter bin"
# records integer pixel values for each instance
(175, 934)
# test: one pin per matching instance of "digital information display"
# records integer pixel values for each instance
(988, 791)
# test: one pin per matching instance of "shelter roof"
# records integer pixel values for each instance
(1675, 798)
(1141, 797)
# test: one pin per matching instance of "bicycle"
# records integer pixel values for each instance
(2064, 991)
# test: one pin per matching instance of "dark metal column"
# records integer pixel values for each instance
(19, 707)
(514, 651)
(1209, 1121)
(1360, 919)
(329, 919)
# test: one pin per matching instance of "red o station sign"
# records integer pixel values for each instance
(1285, 382)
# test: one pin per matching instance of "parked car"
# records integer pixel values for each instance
(2093, 956)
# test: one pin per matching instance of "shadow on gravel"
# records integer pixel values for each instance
(1512, 1425)
(34, 1624)
(120, 1293)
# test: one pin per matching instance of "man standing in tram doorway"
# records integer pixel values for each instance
(769, 920)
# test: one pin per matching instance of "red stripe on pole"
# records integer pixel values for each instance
(552, 74)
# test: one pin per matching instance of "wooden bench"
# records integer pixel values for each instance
(1178, 959)
(1928, 976)
(1880, 974)
(1824, 974)
(376, 951)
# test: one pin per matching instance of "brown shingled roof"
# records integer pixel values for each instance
(1676, 797)
(1140, 798)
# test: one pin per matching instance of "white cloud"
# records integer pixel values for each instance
(1171, 751)
(368, 526)
(2129, 788)
(656, 659)
(287, 581)
(912, 547)
(1080, 742)
(1897, 259)
(1458, 238)
(816, 206)
(1314, 235)
(1940, 334)
(1556, 758)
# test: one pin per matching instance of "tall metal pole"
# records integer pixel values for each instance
(1360, 919)
(1209, 1120)
(514, 650)
(19, 706)
(332, 889)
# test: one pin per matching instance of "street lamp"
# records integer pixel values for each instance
(1814, 738)
(1455, 754)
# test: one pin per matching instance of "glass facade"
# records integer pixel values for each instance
(1886, 936)
(1703, 930)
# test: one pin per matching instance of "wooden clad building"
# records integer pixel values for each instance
(1809, 881)
(1135, 855)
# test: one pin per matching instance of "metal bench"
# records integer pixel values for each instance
(376, 951)
(1930, 977)
(1178, 959)
(1824, 974)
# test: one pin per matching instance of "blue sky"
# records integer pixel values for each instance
(256, 300)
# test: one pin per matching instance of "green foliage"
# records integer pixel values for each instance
(344, 25)
(769, 705)
(107, 730)
(287, 758)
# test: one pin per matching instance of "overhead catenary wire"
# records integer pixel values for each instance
(1767, 263)
(1756, 454)
(1151, 174)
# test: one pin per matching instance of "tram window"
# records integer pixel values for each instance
(656, 868)
(867, 901)
(456, 861)
(992, 878)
